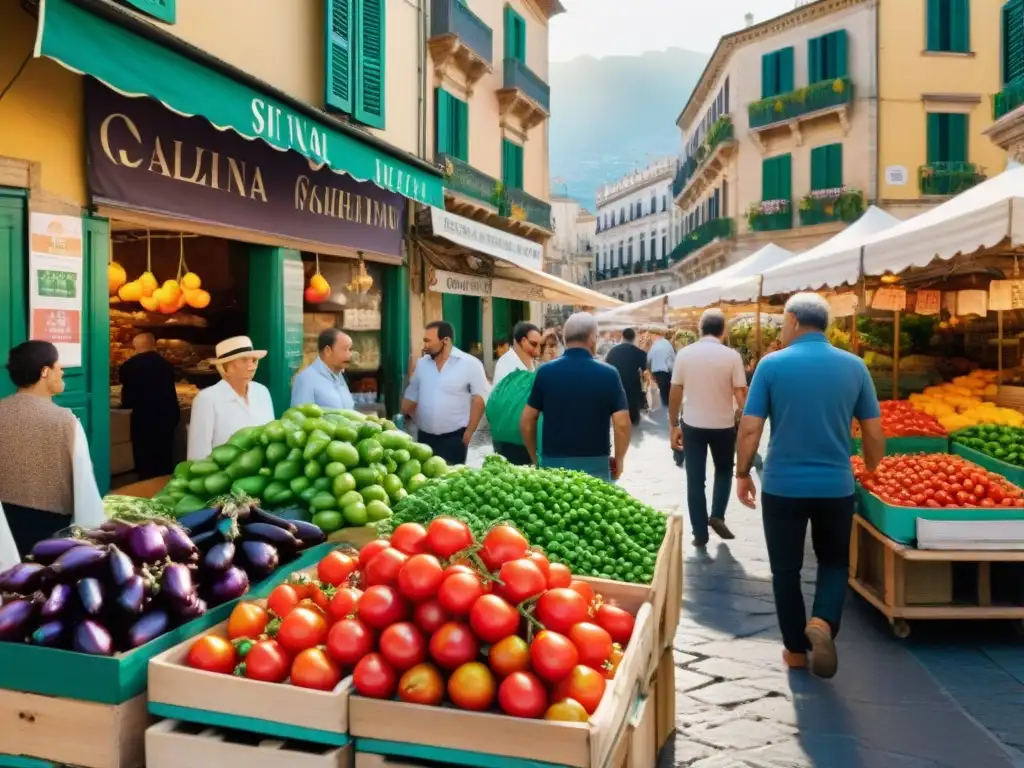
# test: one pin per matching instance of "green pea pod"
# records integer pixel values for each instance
(315, 446)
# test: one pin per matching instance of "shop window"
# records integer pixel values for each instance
(776, 178)
(511, 164)
(162, 10)
(354, 59)
(947, 138)
(777, 72)
(826, 57)
(452, 125)
(1013, 41)
(827, 167)
(515, 35)
(949, 25)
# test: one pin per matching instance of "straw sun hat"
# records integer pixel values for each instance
(234, 348)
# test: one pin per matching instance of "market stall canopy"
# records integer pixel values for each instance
(832, 263)
(647, 310)
(136, 59)
(732, 283)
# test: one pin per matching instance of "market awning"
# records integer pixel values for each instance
(734, 283)
(135, 64)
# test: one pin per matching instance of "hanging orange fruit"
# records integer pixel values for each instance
(191, 282)
(319, 283)
(168, 309)
(197, 299)
(147, 280)
(171, 289)
(180, 301)
(130, 291)
(149, 304)
(313, 296)
(116, 276)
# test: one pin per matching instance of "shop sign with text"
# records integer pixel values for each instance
(55, 284)
(480, 285)
(144, 156)
(480, 237)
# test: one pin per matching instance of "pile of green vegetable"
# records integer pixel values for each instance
(341, 467)
(999, 442)
(593, 527)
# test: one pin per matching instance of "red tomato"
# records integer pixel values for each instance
(283, 600)
(410, 539)
(458, 568)
(301, 629)
(593, 642)
(343, 604)
(585, 591)
(420, 577)
(522, 694)
(511, 654)
(522, 580)
(446, 536)
(559, 576)
(314, 669)
(429, 616)
(302, 584)
(212, 653)
(612, 665)
(453, 645)
(567, 710)
(561, 608)
(267, 662)
(422, 684)
(493, 619)
(458, 592)
(335, 568)
(247, 620)
(617, 622)
(380, 606)
(371, 549)
(539, 559)
(501, 544)
(583, 684)
(318, 595)
(471, 686)
(403, 646)
(384, 568)
(373, 677)
(553, 656)
(348, 641)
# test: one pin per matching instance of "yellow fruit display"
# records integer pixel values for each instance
(116, 277)
(148, 282)
(171, 289)
(130, 291)
(198, 299)
(319, 283)
(149, 303)
(191, 282)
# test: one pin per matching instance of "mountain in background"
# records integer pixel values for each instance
(613, 115)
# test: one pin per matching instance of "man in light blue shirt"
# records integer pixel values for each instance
(323, 381)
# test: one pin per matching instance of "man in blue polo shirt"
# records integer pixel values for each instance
(323, 381)
(580, 398)
(811, 392)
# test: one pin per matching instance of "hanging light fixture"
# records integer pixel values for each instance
(361, 281)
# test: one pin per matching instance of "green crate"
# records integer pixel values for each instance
(443, 756)
(1011, 472)
(898, 446)
(116, 679)
(284, 731)
(900, 523)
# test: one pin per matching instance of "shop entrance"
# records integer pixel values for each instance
(466, 315)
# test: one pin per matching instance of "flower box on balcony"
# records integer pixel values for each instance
(770, 215)
(1008, 99)
(826, 205)
(802, 101)
(949, 178)
(707, 232)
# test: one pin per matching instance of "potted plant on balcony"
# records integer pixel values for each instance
(834, 204)
(768, 214)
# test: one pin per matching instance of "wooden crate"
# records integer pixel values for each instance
(1010, 397)
(81, 733)
(664, 695)
(173, 744)
(643, 734)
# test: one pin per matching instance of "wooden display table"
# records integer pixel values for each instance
(907, 583)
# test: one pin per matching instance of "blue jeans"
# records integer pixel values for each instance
(696, 443)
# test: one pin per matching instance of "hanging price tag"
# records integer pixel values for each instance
(928, 302)
(1006, 294)
(972, 303)
(843, 304)
(890, 299)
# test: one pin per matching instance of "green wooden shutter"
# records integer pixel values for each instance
(158, 9)
(785, 177)
(394, 335)
(451, 310)
(960, 25)
(511, 164)
(521, 38)
(834, 175)
(839, 51)
(819, 168)
(371, 28)
(515, 35)
(769, 179)
(517, 160)
(338, 77)
(13, 285)
(956, 138)
(786, 70)
(768, 75)
(462, 130)
(442, 124)
(1013, 41)
(933, 25)
(934, 138)
(814, 68)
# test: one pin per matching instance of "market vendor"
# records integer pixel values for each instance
(234, 403)
(323, 382)
(47, 482)
(147, 389)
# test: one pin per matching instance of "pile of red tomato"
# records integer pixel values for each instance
(430, 616)
(936, 480)
(901, 419)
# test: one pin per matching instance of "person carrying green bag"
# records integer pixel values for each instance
(507, 399)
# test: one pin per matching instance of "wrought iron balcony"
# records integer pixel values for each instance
(949, 178)
(451, 17)
(822, 207)
(770, 216)
(524, 207)
(708, 232)
(706, 162)
(463, 179)
(1008, 99)
(802, 101)
(520, 77)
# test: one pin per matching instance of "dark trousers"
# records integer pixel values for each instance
(152, 447)
(516, 454)
(696, 443)
(664, 380)
(30, 526)
(633, 403)
(448, 446)
(785, 531)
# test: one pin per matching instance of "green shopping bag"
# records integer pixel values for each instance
(505, 408)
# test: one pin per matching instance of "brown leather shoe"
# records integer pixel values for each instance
(794, 660)
(824, 659)
(718, 526)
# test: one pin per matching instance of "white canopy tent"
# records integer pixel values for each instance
(640, 312)
(831, 263)
(737, 282)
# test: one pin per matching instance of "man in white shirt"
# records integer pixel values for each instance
(234, 403)
(660, 359)
(715, 384)
(446, 394)
(526, 341)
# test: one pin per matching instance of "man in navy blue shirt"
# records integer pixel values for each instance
(580, 398)
(811, 392)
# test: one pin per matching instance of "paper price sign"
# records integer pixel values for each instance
(890, 299)
(928, 302)
(1006, 294)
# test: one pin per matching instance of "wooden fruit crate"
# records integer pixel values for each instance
(173, 744)
(68, 731)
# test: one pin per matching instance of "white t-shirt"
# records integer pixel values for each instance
(507, 363)
(218, 412)
(708, 372)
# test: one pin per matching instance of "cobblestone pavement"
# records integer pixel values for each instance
(941, 699)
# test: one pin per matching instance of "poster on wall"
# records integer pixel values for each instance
(294, 281)
(55, 284)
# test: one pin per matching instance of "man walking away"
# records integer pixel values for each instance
(526, 341)
(147, 388)
(580, 398)
(660, 360)
(810, 391)
(446, 394)
(714, 383)
(631, 362)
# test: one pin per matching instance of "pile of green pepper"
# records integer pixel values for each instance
(1002, 443)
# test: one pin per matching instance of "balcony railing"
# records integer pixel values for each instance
(770, 215)
(721, 130)
(802, 101)
(532, 210)
(521, 77)
(826, 206)
(707, 232)
(463, 179)
(1008, 99)
(451, 17)
(949, 178)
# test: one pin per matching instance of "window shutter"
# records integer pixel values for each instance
(838, 53)
(785, 181)
(338, 77)
(442, 122)
(521, 38)
(785, 70)
(934, 136)
(814, 69)
(933, 13)
(462, 117)
(767, 75)
(819, 168)
(834, 175)
(725, 197)
(956, 138)
(1013, 41)
(769, 179)
(960, 25)
(370, 54)
(510, 33)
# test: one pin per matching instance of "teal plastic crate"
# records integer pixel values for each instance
(1011, 472)
(900, 523)
(899, 446)
(116, 679)
(441, 756)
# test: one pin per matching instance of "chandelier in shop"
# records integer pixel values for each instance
(361, 281)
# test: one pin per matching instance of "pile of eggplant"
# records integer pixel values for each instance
(124, 584)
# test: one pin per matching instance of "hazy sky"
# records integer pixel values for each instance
(628, 27)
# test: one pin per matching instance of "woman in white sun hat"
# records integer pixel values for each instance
(234, 403)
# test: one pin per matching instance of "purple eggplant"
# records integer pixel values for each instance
(15, 618)
(204, 541)
(146, 545)
(90, 595)
(176, 584)
(93, 638)
(271, 534)
(120, 530)
(260, 558)
(179, 545)
(79, 562)
(229, 585)
(121, 567)
(257, 515)
(149, 627)
(195, 608)
(197, 522)
(220, 556)
(57, 602)
(50, 634)
(48, 550)
(99, 536)
(309, 534)
(23, 578)
(132, 596)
